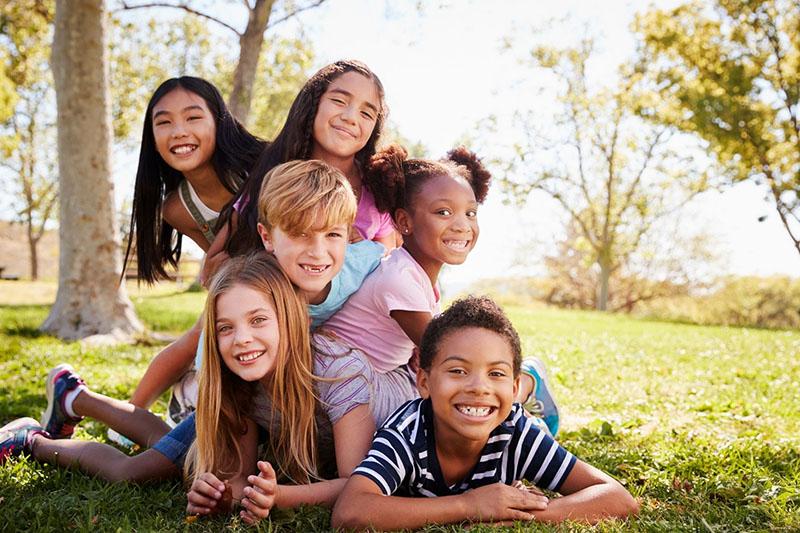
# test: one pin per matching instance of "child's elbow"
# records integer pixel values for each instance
(628, 506)
(345, 516)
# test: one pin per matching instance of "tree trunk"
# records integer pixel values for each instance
(32, 246)
(602, 289)
(89, 301)
(250, 44)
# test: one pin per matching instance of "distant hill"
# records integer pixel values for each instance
(15, 257)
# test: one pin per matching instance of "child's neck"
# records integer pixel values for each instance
(209, 188)
(456, 456)
(349, 168)
(431, 267)
(318, 298)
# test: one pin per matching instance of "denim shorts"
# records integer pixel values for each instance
(177, 442)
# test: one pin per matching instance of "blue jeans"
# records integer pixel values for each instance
(177, 442)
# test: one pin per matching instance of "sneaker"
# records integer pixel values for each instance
(56, 421)
(543, 404)
(183, 400)
(17, 437)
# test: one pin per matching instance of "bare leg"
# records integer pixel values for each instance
(104, 461)
(139, 425)
(167, 367)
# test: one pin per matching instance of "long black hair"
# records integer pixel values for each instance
(236, 151)
(296, 141)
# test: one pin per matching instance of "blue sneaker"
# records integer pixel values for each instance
(543, 403)
(55, 420)
(17, 437)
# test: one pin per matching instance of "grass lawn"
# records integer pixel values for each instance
(702, 424)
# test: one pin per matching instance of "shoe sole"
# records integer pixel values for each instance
(19, 424)
(51, 379)
(538, 364)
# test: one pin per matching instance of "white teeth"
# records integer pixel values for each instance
(458, 245)
(314, 268)
(183, 149)
(474, 411)
(249, 357)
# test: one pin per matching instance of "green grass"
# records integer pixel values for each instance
(702, 424)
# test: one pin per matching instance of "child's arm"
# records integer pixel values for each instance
(176, 215)
(590, 496)
(413, 323)
(216, 254)
(352, 436)
(363, 505)
(167, 367)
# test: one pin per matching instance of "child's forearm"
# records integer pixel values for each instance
(319, 493)
(166, 368)
(368, 510)
(591, 504)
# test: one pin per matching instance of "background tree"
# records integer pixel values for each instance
(729, 72)
(613, 174)
(28, 133)
(90, 300)
(261, 14)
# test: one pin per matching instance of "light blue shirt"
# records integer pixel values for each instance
(360, 259)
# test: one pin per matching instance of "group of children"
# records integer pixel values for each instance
(321, 325)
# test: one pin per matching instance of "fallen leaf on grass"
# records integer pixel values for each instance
(191, 519)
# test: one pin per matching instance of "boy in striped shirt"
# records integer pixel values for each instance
(465, 445)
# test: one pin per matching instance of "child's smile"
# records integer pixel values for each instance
(247, 332)
(471, 385)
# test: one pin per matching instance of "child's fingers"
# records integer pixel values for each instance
(263, 484)
(266, 470)
(531, 502)
(208, 489)
(256, 501)
(200, 500)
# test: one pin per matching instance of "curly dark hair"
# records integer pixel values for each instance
(296, 141)
(394, 180)
(157, 243)
(470, 312)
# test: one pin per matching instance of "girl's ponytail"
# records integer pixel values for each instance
(479, 177)
(386, 178)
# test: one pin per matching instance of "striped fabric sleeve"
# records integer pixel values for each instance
(388, 463)
(542, 460)
(346, 377)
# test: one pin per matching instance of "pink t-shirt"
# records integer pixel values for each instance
(398, 284)
(371, 223)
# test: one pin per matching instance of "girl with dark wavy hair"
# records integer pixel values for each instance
(193, 159)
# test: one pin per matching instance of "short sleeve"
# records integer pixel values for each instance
(346, 377)
(403, 291)
(544, 462)
(388, 462)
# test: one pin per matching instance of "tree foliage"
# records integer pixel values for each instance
(729, 72)
(27, 135)
(614, 175)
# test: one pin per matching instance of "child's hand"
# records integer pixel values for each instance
(260, 496)
(501, 502)
(205, 494)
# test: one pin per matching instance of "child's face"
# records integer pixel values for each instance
(184, 131)
(311, 259)
(247, 332)
(345, 117)
(442, 226)
(470, 383)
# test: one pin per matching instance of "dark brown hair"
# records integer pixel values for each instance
(470, 312)
(296, 141)
(394, 180)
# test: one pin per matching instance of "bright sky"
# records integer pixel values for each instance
(444, 72)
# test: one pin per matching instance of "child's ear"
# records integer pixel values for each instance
(516, 385)
(266, 237)
(422, 383)
(403, 222)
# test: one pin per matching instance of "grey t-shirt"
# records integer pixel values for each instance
(343, 383)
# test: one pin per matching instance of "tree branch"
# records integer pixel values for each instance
(184, 7)
(297, 11)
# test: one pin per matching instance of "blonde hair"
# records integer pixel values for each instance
(224, 398)
(294, 194)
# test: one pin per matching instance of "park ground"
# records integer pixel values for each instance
(701, 424)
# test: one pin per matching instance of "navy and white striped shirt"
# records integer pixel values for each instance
(403, 455)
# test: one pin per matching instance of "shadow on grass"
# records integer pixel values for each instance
(23, 320)
(17, 404)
